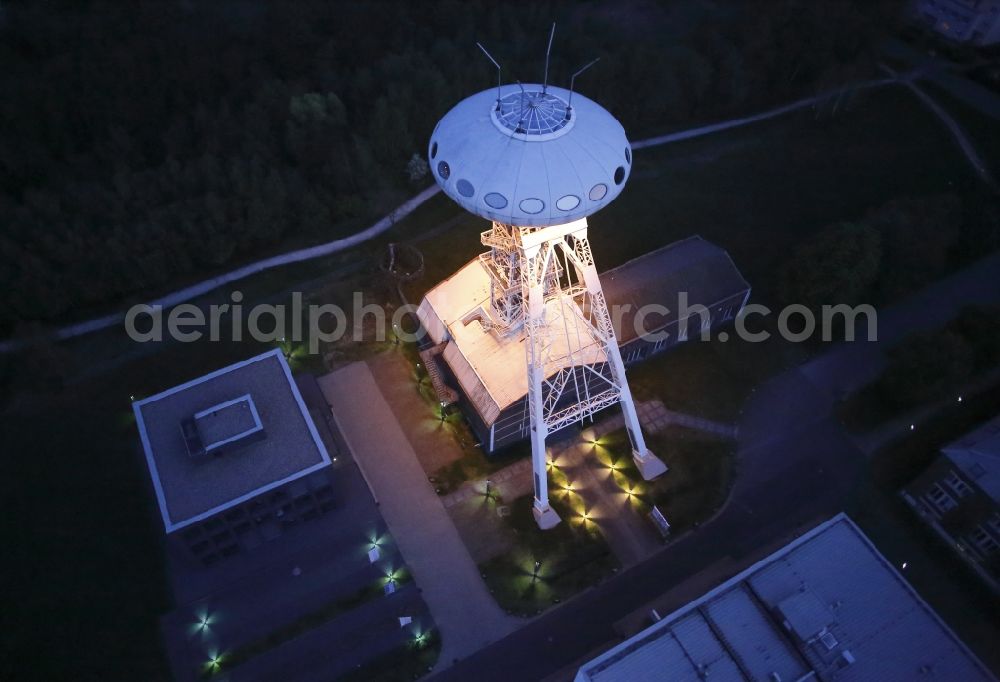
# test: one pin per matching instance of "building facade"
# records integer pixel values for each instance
(972, 22)
(958, 496)
(234, 458)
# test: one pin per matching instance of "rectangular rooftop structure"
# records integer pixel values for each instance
(227, 424)
(227, 437)
(827, 606)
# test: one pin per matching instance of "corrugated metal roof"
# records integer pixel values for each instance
(749, 634)
(889, 631)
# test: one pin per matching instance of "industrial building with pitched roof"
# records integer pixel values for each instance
(827, 606)
(480, 369)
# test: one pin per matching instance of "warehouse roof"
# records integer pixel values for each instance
(257, 396)
(492, 369)
(484, 363)
(701, 271)
(826, 604)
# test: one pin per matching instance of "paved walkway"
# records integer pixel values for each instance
(630, 536)
(762, 116)
(957, 132)
(655, 417)
(508, 477)
(947, 75)
(426, 537)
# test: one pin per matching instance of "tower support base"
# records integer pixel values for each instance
(545, 516)
(649, 465)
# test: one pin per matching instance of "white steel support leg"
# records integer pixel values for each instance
(556, 272)
(545, 516)
(649, 465)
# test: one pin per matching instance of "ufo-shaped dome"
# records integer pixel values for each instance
(532, 160)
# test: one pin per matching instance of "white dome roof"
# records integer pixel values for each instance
(527, 163)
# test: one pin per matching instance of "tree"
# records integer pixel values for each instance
(417, 169)
(918, 238)
(924, 367)
(980, 327)
(839, 265)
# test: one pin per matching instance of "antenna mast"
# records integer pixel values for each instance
(545, 82)
(572, 80)
(520, 122)
(490, 57)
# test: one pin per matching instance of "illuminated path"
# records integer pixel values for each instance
(763, 116)
(405, 209)
(466, 615)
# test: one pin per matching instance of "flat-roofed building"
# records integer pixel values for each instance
(234, 457)
(481, 370)
(827, 606)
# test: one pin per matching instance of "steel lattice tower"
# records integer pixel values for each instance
(536, 160)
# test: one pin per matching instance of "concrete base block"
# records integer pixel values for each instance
(649, 465)
(546, 517)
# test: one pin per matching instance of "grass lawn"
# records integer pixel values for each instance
(699, 480)
(759, 190)
(702, 470)
(327, 612)
(473, 463)
(570, 558)
(706, 379)
(407, 662)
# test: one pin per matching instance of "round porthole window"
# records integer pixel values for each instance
(597, 192)
(494, 200)
(465, 188)
(568, 202)
(619, 175)
(434, 150)
(444, 170)
(532, 205)
(628, 154)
